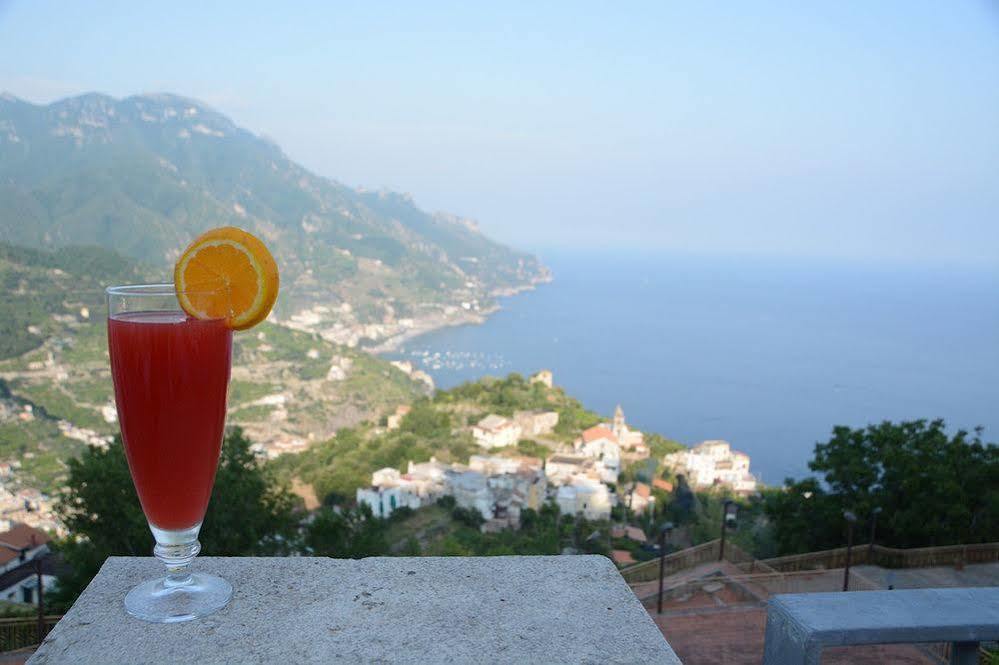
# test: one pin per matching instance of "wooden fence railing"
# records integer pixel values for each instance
(835, 558)
(757, 587)
(647, 571)
(745, 561)
(889, 557)
(21, 632)
(947, 555)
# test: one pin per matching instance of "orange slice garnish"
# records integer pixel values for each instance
(227, 273)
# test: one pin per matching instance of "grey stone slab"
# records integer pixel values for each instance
(800, 625)
(569, 609)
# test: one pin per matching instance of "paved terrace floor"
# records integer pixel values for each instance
(736, 638)
(723, 626)
(646, 589)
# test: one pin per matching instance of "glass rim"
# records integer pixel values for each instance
(149, 290)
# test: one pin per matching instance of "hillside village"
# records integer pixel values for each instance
(577, 468)
(580, 477)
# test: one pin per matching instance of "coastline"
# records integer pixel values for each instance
(464, 318)
(429, 325)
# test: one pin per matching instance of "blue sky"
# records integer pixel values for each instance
(847, 129)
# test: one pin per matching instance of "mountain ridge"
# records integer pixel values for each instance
(143, 174)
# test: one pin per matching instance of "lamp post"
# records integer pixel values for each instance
(729, 510)
(663, 535)
(874, 527)
(851, 519)
(41, 598)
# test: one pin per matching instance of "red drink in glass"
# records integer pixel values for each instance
(171, 375)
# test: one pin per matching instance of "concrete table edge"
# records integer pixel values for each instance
(381, 609)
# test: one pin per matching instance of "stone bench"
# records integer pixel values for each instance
(563, 609)
(800, 625)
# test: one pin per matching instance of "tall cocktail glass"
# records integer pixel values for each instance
(171, 376)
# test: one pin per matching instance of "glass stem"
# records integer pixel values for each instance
(177, 549)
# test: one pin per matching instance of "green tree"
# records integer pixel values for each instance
(426, 421)
(799, 513)
(351, 533)
(932, 489)
(470, 517)
(660, 446)
(411, 547)
(532, 448)
(248, 514)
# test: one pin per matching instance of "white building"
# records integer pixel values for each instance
(421, 485)
(430, 473)
(498, 487)
(470, 489)
(544, 377)
(639, 498)
(383, 501)
(496, 432)
(713, 463)
(561, 467)
(19, 545)
(492, 465)
(536, 423)
(587, 496)
(514, 483)
(600, 444)
(387, 477)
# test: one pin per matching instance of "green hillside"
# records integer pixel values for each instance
(54, 366)
(143, 175)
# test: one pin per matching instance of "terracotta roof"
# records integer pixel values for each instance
(20, 537)
(642, 490)
(622, 557)
(662, 484)
(598, 432)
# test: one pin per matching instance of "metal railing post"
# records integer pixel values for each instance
(41, 600)
(662, 569)
(850, 519)
(874, 530)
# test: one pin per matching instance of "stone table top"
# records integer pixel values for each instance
(522, 609)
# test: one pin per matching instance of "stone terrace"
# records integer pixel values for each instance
(568, 609)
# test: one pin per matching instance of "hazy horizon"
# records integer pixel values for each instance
(849, 131)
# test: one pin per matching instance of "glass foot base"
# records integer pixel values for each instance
(165, 601)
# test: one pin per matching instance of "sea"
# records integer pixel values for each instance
(766, 353)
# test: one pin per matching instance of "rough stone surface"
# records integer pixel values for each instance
(800, 625)
(570, 609)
